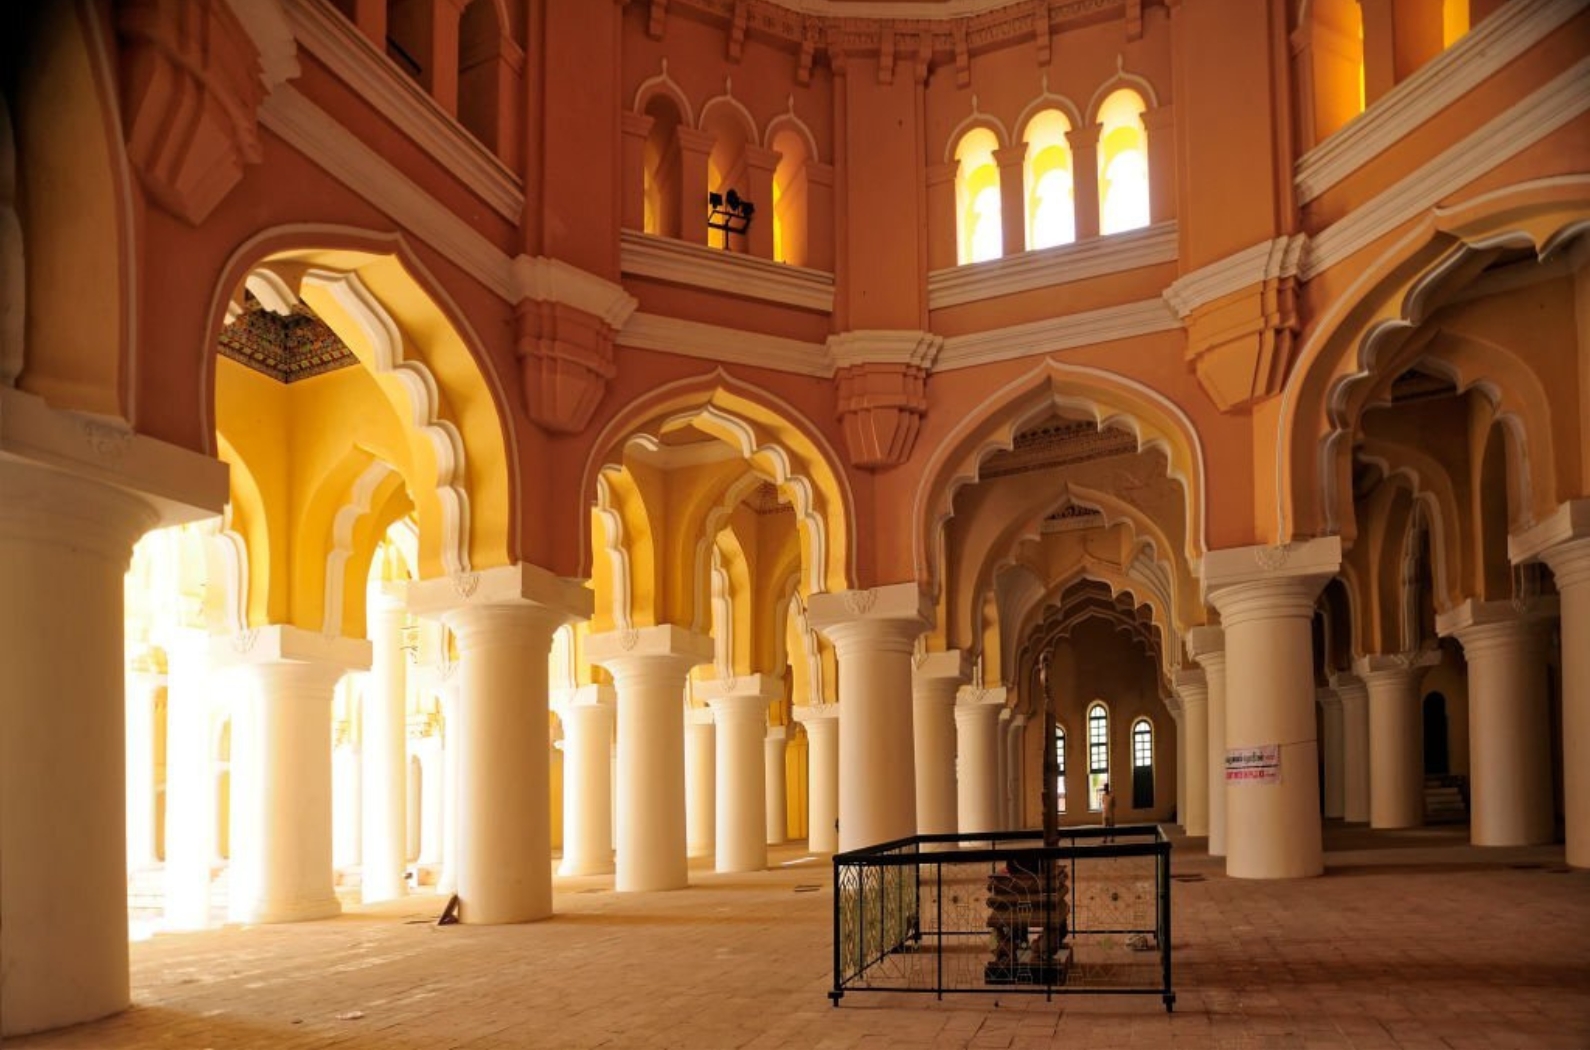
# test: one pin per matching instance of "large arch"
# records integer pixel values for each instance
(1109, 399)
(1372, 330)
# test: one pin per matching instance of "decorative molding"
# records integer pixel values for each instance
(1126, 321)
(1048, 267)
(670, 259)
(1469, 62)
(108, 439)
(465, 584)
(377, 80)
(859, 602)
(879, 346)
(553, 280)
(1522, 125)
(673, 335)
(1265, 261)
(315, 133)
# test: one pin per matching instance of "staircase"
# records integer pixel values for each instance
(1446, 799)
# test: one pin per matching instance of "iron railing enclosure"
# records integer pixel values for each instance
(1090, 915)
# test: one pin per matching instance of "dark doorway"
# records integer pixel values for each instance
(1436, 762)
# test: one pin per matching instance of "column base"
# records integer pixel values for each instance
(263, 913)
(568, 867)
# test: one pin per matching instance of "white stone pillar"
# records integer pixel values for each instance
(190, 800)
(503, 619)
(447, 692)
(977, 758)
(1266, 600)
(822, 785)
(1562, 541)
(382, 758)
(433, 790)
(1333, 752)
(345, 791)
(1015, 768)
(935, 678)
(701, 771)
(739, 714)
(1396, 766)
(65, 545)
(775, 747)
(649, 666)
(1355, 746)
(1207, 645)
(1173, 705)
(282, 679)
(1510, 791)
(143, 695)
(874, 634)
(1192, 747)
(587, 781)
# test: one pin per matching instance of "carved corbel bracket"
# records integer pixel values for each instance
(191, 91)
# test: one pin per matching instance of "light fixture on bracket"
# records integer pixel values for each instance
(730, 213)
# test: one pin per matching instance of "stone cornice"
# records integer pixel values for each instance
(1570, 521)
(870, 346)
(376, 79)
(1058, 333)
(1048, 267)
(1473, 59)
(711, 342)
(1264, 261)
(1522, 125)
(552, 280)
(669, 259)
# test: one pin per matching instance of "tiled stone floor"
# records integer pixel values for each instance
(1412, 940)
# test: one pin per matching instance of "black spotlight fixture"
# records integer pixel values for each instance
(730, 213)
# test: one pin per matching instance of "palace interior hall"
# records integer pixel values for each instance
(585, 465)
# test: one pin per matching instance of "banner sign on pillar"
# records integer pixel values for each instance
(1254, 765)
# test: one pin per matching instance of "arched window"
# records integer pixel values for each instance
(789, 197)
(1123, 163)
(1060, 768)
(660, 169)
(726, 168)
(1142, 764)
(979, 234)
(1051, 197)
(1098, 755)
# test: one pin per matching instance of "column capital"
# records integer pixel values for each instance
(1084, 137)
(1569, 522)
(1326, 697)
(1381, 666)
(761, 157)
(1173, 705)
(981, 696)
(698, 716)
(1011, 156)
(737, 707)
(1348, 685)
(970, 714)
(1206, 641)
(1192, 687)
(1569, 562)
(761, 687)
(694, 140)
(888, 618)
(952, 663)
(665, 647)
(778, 734)
(1261, 582)
(1483, 625)
(817, 717)
(286, 644)
(442, 597)
(601, 695)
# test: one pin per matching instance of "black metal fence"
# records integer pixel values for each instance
(998, 912)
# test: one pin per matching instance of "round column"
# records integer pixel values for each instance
(65, 545)
(649, 668)
(774, 746)
(1570, 563)
(1273, 826)
(1207, 645)
(504, 793)
(822, 788)
(190, 800)
(1510, 796)
(587, 789)
(875, 733)
(143, 694)
(281, 871)
(1334, 753)
(976, 769)
(1192, 687)
(447, 879)
(701, 770)
(933, 749)
(1355, 747)
(433, 776)
(382, 766)
(741, 818)
(1014, 769)
(1396, 765)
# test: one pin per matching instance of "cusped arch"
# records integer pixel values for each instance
(1109, 399)
(1355, 342)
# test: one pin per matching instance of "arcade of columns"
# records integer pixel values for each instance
(480, 498)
